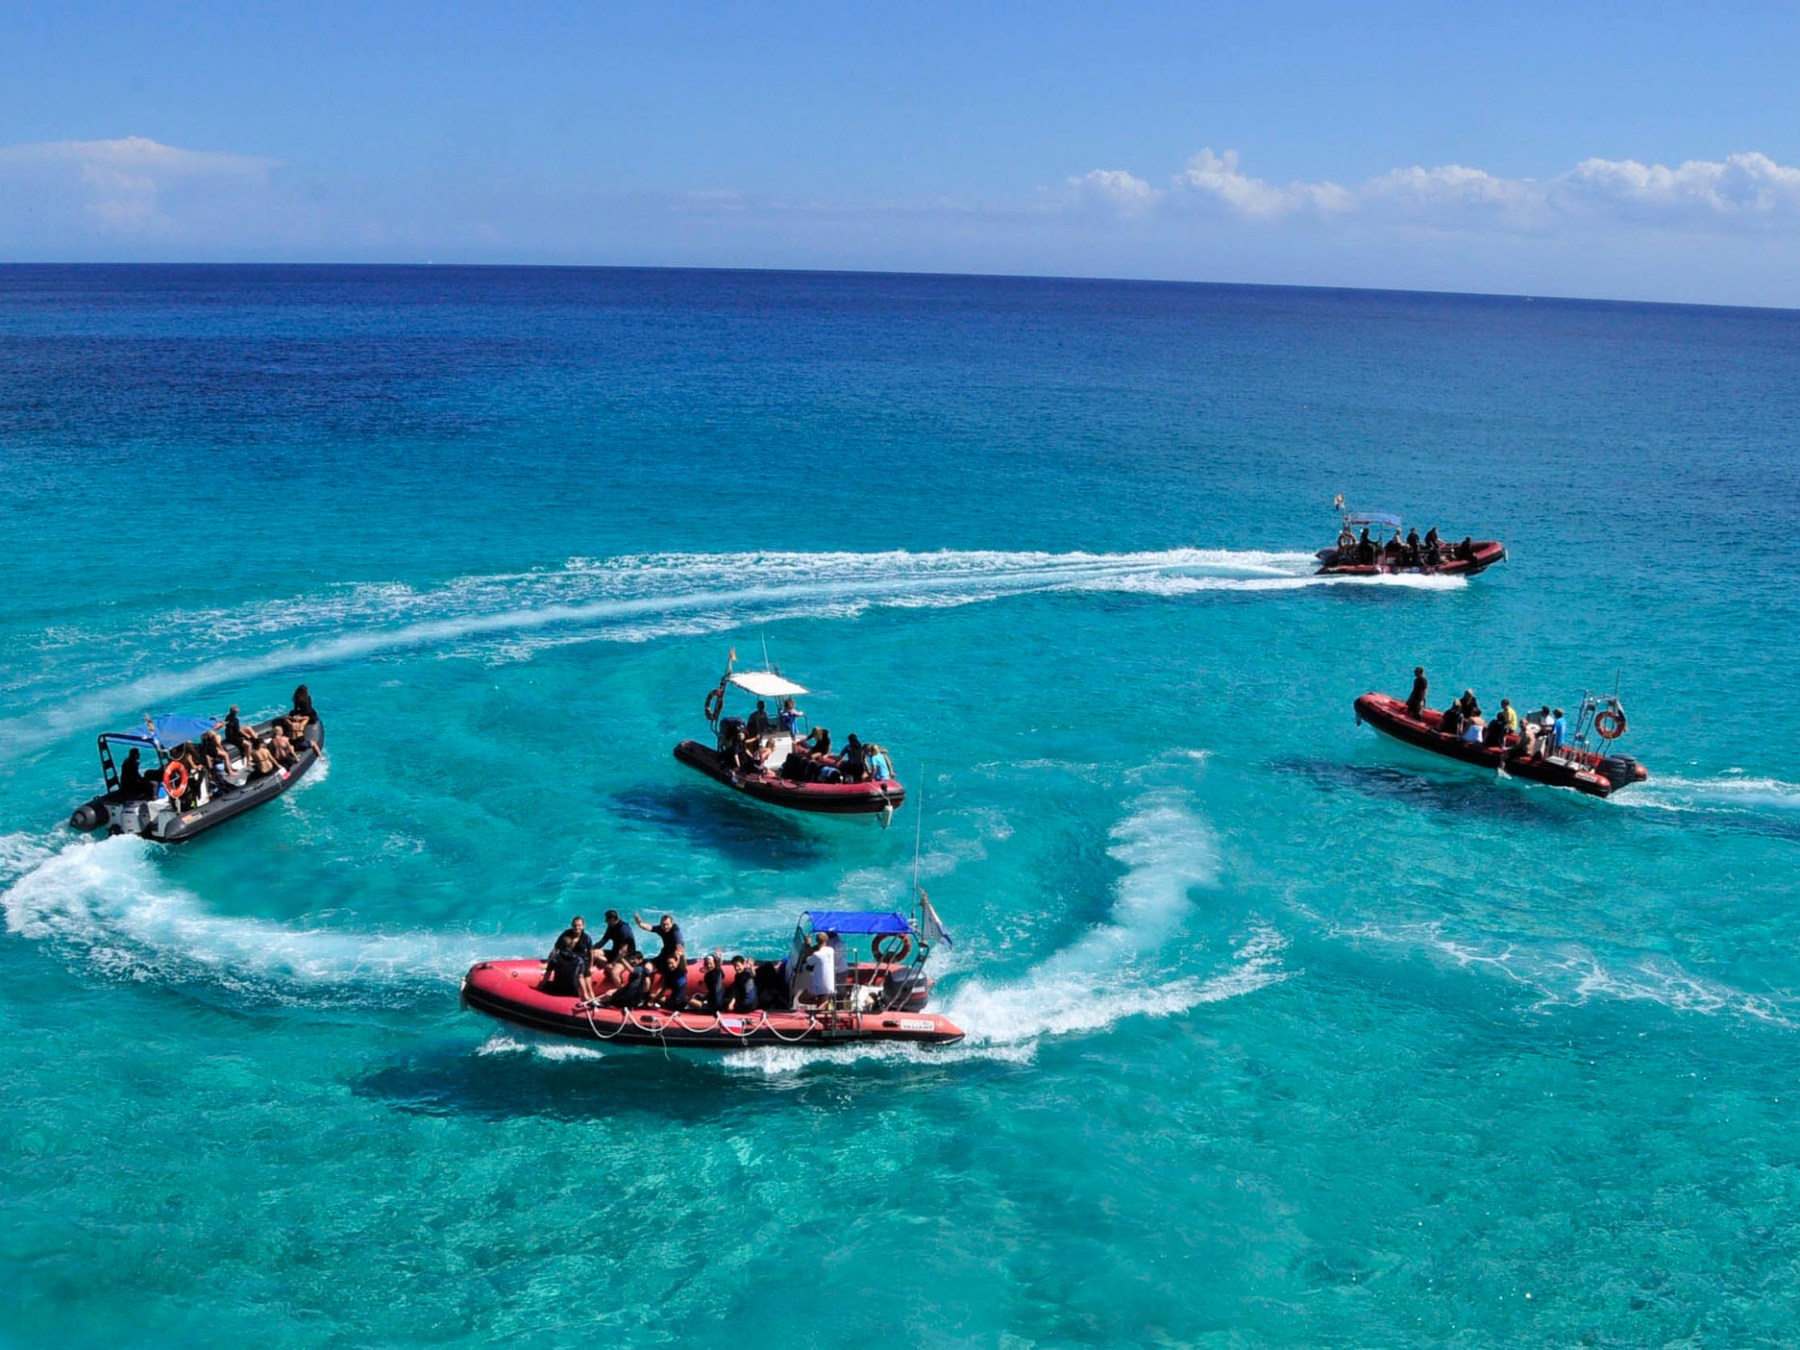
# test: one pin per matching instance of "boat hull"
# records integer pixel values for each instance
(514, 991)
(831, 799)
(1580, 770)
(1487, 552)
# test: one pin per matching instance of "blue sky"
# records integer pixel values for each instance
(1638, 151)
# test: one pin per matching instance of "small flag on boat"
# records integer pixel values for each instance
(934, 926)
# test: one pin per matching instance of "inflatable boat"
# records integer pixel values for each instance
(768, 755)
(1370, 544)
(1597, 772)
(819, 995)
(152, 805)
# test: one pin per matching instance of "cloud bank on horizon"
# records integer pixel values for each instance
(1733, 224)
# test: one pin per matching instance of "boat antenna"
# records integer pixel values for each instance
(918, 835)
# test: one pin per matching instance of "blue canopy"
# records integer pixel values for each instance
(856, 921)
(171, 729)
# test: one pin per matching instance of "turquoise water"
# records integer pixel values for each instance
(1277, 1034)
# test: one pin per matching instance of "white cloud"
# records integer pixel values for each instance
(1117, 190)
(1216, 177)
(1743, 189)
(128, 186)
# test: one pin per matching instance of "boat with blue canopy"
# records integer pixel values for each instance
(848, 976)
(180, 774)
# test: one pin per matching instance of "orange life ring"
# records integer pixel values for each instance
(1610, 723)
(715, 704)
(886, 943)
(175, 779)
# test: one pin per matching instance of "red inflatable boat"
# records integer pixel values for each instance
(832, 998)
(764, 754)
(1598, 773)
(1379, 550)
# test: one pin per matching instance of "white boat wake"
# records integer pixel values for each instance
(627, 599)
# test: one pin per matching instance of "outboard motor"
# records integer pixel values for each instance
(1619, 770)
(89, 815)
(906, 990)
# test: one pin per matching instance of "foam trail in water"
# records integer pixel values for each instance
(1569, 974)
(1114, 971)
(625, 599)
(106, 902)
(1728, 792)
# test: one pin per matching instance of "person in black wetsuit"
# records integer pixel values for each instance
(617, 942)
(1451, 723)
(711, 998)
(1413, 554)
(571, 960)
(1365, 549)
(634, 992)
(134, 784)
(742, 997)
(852, 766)
(669, 932)
(1415, 701)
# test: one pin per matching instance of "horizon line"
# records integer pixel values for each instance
(429, 265)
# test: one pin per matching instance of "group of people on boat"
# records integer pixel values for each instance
(1542, 732)
(1398, 553)
(209, 764)
(747, 744)
(615, 974)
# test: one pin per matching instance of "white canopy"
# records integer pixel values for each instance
(765, 684)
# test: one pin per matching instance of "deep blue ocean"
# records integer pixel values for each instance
(1278, 1034)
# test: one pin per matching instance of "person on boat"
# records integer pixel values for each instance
(1415, 701)
(818, 974)
(631, 986)
(569, 969)
(282, 748)
(817, 742)
(1559, 730)
(742, 995)
(134, 784)
(1474, 728)
(669, 932)
(617, 941)
(1431, 538)
(758, 725)
(710, 998)
(1365, 549)
(1346, 544)
(1393, 553)
(1494, 735)
(218, 762)
(1508, 716)
(675, 980)
(302, 711)
(1470, 708)
(234, 727)
(1413, 547)
(881, 768)
(1451, 720)
(262, 762)
(189, 756)
(1434, 553)
(1466, 549)
(852, 765)
(790, 718)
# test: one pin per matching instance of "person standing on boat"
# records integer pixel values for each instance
(1559, 730)
(1413, 553)
(670, 932)
(1508, 716)
(818, 974)
(617, 942)
(758, 723)
(1415, 701)
(790, 718)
